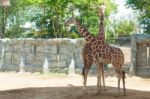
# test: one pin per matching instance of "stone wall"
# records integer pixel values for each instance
(140, 57)
(38, 55)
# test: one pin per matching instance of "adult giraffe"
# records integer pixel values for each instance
(87, 54)
(103, 53)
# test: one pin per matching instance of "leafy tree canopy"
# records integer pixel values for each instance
(50, 16)
(144, 7)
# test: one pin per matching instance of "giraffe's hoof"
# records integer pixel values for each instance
(97, 92)
(84, 89)
(85, 92)
(124, 94)
(116, 95)
(104, 89)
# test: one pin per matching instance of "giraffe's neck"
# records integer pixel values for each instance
(83, 31)
(101, 34)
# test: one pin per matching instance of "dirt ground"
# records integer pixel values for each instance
(35, 86)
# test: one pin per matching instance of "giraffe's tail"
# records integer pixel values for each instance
(123, 74)
(83, 71)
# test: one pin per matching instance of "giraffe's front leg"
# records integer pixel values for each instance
(85, 90)
(98, 80)
(98, 85)
(103, 77)
(84, 86)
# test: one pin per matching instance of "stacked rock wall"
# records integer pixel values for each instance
(140, 57)
(31, 54)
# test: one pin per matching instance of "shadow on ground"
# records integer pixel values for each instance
(70, 92)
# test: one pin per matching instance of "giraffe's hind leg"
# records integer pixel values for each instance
(121, 75)
(119, 78)
(123, 81)
(85, 71)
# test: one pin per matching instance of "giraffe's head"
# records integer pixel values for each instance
(102, 9)
(71, 21)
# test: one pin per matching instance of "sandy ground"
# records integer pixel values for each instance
(33, 86)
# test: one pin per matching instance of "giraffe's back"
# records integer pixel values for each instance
(109, 54)
(117, 56)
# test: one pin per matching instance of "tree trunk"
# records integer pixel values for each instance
(3, 24)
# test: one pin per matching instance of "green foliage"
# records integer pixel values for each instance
(144, 7)
(89, 13)
(125, 28)
(14, 32)
(110, 37)
(50, 16)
